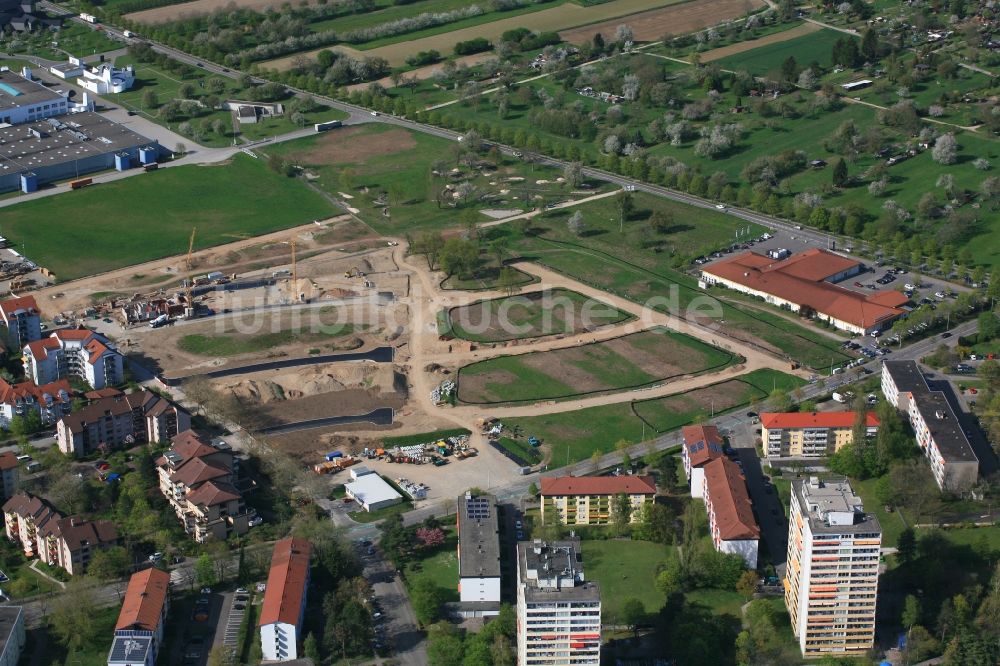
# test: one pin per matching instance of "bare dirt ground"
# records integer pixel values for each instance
(743, 47)
(559, 18)
(198, 8)
(653, 24)
(338, 147)
(421, 73)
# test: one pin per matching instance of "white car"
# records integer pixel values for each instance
(939, 294)
(909, 287)
(156, 557)
(720, 206)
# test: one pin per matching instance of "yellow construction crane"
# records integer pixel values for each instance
(295, 272)
(191, 247)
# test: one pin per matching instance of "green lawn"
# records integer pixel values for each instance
(150, 216)
(232, 345)
(892, 523)
(438, 565)
(362, 516)
(625, 362)
(625, 570)
(767, 59)
(540, 313)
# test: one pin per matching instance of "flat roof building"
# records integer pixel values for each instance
(11, 635)
(372, 492)
(479, 551)
(558, 610)
(281, 613)
(804, 283)
(831, 577)
(939, 432)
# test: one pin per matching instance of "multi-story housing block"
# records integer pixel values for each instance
(140, 626)
(479, 553)
(939, 433)
(731, 522)
(587, 500)
(283, 611)
(831, 576)
(22, 319)
(198, 480)
(50, 401)
(79, 353)
(120, 420)
(702, 444)
(558, 611)
(810, 434)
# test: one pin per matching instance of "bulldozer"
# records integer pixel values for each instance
(354, 272)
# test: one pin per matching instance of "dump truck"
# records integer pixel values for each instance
(334, 454)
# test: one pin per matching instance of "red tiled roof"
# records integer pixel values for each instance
(814, 420)
(73, 333)
(10, 393)
(286, 582)
(802, 282)
(78, 532)
(195, 471)
(96, 349)
(727, 491)
(598, 485)
(11, 306)
(7, 460)
(106, 392)
(115, 406)
(211, 493)
(702, 443)
(144, 599)
(39, 349)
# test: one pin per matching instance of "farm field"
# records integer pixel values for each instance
(181, 10)
(767, 58)
(634, 360)
(376, 162)
(624, 569)
(767, 40)
(562, 17)
(247, 200)
(532, 315)
(569, 437)
(653, 24)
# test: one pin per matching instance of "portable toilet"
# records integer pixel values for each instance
(122, 162)
(29, 182)
(147, 155)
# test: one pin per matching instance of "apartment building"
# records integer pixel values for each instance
(281, 614)
(12, 638)
(702, 444)
(79, 353)
(43, 532)
(10, 475)
(22, 320)
(939, 432)
(586, 500)
(478, 554)
(810, 434)
(120, 420)
(831, 577)
(198, 480)
(140, 626)
(558, 610)
(731, 522)
(49, 401)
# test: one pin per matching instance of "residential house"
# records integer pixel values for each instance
(140, 626)
(811, 434)
(587, 500)
(731, 522)
(702, 444)
(79, 353)
(49, 401)
(198, 481)
(284, 607)
(121, 420)
(22, 319)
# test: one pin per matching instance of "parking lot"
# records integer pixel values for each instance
(395, 626)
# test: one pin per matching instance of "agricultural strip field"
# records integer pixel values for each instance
(150, 216)
(569, 437)
(634, 360)
(565, 16)
(182, 10)
(537, 314)
(800, 30)
(767, 57)
(653, 24)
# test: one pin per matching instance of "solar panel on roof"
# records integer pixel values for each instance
(129, 649)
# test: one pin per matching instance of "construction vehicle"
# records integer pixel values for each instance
(335, 465)
(534, 441)
(354, 272)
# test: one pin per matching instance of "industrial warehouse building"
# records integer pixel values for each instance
(803, 283)
(42, 140)
(372, 492)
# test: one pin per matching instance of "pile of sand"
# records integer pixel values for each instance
(310, 381)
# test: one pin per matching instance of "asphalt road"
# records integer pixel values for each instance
(377, 355)
(380, 416)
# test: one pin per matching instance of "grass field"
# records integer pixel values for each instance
(540, 313)
(423, 437)
(151, 215)
(625, 570)
(630, 361)
(438, 565)
(767, 59)
(232, 344)
(73, 39)
(569, 437)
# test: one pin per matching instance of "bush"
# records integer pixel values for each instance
(424, 58)
(470, 46)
